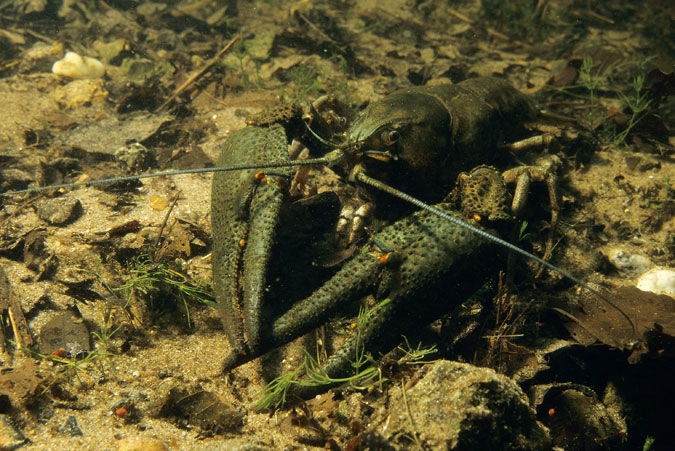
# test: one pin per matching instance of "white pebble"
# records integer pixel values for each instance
(78, 67)
(658, 280)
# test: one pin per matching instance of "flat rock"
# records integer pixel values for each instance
(60, 211)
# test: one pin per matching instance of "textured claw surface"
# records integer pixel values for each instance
(484, 195)
(244, 215)
(440, 262)
(416, 139)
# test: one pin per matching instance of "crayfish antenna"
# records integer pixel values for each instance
(366, 179)
(318, 137)
(129, 178)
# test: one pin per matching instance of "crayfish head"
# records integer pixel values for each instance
(403, 140)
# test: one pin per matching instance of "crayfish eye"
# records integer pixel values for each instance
(389, 137)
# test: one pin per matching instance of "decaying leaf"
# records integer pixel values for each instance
(652, 316)
(208, 410)
(20, 385)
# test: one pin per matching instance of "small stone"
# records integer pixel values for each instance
(138, 70)
(628, 264)
(78, 67)
(36, 255)
(60, 211)
(141, 444)
(134, 157)
(71, 427)
(10, 436)
(577, 418)
(79, 93)
(110, 51)
(64, 333)
(461, 406)
(39, 57)
(208, 410)
(658, 280)
(11, 179)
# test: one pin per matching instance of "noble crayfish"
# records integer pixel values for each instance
(416, 140)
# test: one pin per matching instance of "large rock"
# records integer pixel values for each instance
(457, 406)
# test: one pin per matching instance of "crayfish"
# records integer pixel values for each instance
(416, 141)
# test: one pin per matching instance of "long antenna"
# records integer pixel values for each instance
(364, 178)
(131, 178)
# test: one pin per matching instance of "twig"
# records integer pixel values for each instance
(460, 16)
(42, 37)
(174, 201)
(592, 15)
(15, 329)
(197, 75)
(311, 25)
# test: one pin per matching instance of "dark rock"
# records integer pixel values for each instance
(10, 436)
(207, 410)
(60, 211)
(64, 333)
(70, 427)
(36, 255)
(577, 419)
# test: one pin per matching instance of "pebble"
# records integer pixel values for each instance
(628, 264)
(60, 211)
(71, 427)
(458, 406)
(66, 333)
(658, 280)
(141, 444)
(78, 67)
(10, 436)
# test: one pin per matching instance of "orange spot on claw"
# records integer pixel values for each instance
(261, 177)
(551, 412)
(121, 412)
